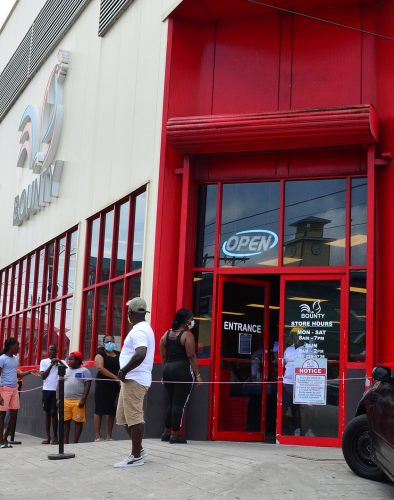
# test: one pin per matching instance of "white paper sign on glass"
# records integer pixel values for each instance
(310, 381)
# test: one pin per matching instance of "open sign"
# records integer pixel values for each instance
(249, 243)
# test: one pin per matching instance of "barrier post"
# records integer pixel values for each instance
(61, 455)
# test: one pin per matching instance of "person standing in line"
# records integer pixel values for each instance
(178, 357)
(9, 396)
(49, 375)
(136, 363)
(106, 392)
(76, 390)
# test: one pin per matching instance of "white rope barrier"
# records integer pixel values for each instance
(212, 382)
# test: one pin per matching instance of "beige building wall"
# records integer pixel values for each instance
(110, 143)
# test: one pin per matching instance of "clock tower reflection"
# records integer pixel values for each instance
(308, 247)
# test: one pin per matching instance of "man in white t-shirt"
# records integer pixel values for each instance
(49, 375)
(136, 363)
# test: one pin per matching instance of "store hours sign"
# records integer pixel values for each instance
(40, 138)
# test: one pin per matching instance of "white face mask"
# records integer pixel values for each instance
(191, 324)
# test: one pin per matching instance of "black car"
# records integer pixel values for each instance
(368, 440)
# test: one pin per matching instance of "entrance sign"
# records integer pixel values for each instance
(310, 381)
(241, 327)
(250, 243)
(39, 144)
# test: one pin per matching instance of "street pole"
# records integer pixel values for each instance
(61, 455)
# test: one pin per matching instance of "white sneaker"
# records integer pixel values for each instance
(310, 433)
(297, 432)
(130, 461)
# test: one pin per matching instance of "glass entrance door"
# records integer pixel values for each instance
(241, 359)
(310, 402)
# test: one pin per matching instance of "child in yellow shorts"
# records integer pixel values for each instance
(76, 390)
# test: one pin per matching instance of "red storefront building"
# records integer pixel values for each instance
(275, 209)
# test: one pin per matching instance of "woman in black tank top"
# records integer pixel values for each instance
(178, 355)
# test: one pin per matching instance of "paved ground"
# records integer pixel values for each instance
(198, 470)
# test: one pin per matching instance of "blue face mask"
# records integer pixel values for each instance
(109, 346)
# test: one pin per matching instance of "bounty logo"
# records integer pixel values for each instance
(311, 312)
(250, 243)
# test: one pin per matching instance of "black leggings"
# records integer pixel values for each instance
(178, 394)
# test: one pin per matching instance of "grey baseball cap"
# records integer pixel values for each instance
(137, 304)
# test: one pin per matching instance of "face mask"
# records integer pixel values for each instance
(109, 346)
(191, 324)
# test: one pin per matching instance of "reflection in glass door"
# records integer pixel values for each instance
(241, 359)
(310, 348)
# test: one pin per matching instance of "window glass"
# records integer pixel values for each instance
(28, 325)
(23, 285)
(357, 315)
(1, 291)
(250, 225)
(202, 309)
(60, 269)
(44, 333)
(36, 319)
(41, 257)
(123, 234)
(358, 228)
(18, 328)
(117, 310)
(50, 262)
(138, 237)
(31, 279)
(15, 291)
(8, 291)
(315, 223)
(133, 287)
(241, 358)
(72, 262)
(94, 242)
(206, 226)
(107, 249)
(88, 326)
(56, 326)
(67, 328)
(102, 311)
(311, 336)
(14, 327)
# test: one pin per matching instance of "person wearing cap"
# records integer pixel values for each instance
(291, 353)
(136, 363)
(76, 390)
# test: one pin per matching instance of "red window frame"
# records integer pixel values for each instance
(22, 311)
(113, 279)
(217, 270)
(186, 291)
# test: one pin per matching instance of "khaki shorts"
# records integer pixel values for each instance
(130, 410)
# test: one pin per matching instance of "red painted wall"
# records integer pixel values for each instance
(243, 59)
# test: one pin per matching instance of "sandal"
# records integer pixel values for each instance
(98, 439)
(46, 441)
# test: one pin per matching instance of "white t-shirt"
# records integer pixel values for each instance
(290, 354)
(50, 383)
(141, 335)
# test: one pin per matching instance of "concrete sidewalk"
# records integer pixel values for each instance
(198, 470)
